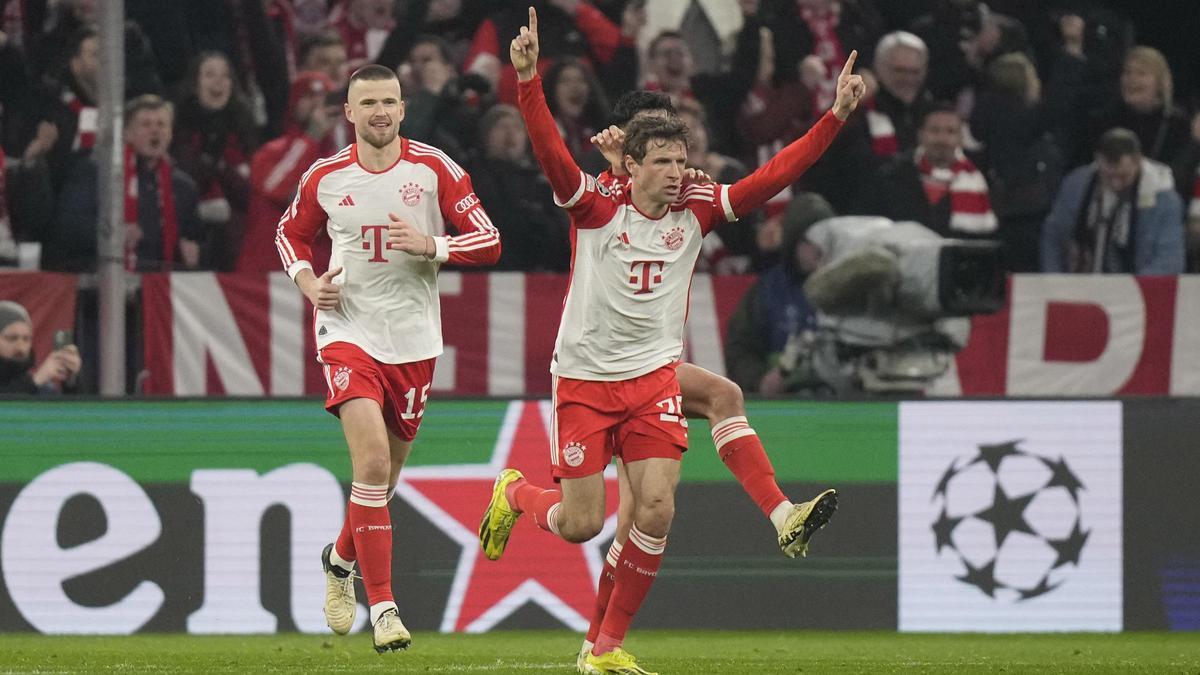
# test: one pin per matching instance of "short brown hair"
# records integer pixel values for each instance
(145, 102)
(374, 71)
(641, 131)
(1117, 143)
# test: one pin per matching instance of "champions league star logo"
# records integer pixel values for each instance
(1011, 519)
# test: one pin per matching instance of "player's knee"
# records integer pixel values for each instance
(373, 471)
(655, 514)
(726, 400)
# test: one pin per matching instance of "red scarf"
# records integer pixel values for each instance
(823, 23)
(882, 131)
(166, 209)
(87, 121)
(1194, 206)
(970, 209)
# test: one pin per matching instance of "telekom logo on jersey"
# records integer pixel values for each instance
(645, 275)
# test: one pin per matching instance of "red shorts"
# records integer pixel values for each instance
(400, 389)
(631, 419)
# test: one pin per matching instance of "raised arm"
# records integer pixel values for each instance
(786, 167)
(548, 146)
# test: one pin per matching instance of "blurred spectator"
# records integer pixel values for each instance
(213, 141)
(312, 16)
(566, 28)
(50, 51)
(819, 35)
(324, 52)
(892, 115)
(937, 185)
(8, 243)
(670, 69)
(163, 230)
(577, 102)
(710, 28)
(767, 333)
(1119, 214)
(314, 109)
(440, 107)
(70, 103)
(534, 230)
(728, 248)
(948, 31)
(26, 189)
(454, 21)
(1187, 180)
(363, 25)
(1019, 155)
(1146, 107)
(57, 373)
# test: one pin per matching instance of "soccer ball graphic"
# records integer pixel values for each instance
(1010, 520)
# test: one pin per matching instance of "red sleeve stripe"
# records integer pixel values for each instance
(422, 150)
(475, 247)
(472, 238)
(481, 220)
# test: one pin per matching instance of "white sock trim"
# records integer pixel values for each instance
(729, 429)
(379, 608)
(614, 553)
(647, 543)
(780, 513)
(368, 495)
(338, 560)
(552, 518)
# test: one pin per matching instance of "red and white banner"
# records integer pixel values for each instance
(1085, 335)
(251, 334)
(1061, 335)
(50, 300)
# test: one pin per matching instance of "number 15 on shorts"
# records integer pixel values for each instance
(674, 410)
(411, 396)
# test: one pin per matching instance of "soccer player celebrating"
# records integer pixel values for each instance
(385, 201)
(621, 334)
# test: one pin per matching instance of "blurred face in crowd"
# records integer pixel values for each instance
(86, 11)
(328, 59)
(149, 132)
(659, 176)
(571, 91)
(425, 57)
(671, 60)
(506, 139)
(1120, 175)
(308, 103)
(902, 72)
(808, 256)
(214, 83)
(1139, 86)
(941, 137)
(443, 10)
(85, 66)
(371, 13)
(16, 341)
(697, 139)
(376, 110)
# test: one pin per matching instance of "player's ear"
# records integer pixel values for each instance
(631, 166)
(400, 109)
(349, 114)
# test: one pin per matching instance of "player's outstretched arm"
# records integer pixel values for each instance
(565, 177)
(785, 168)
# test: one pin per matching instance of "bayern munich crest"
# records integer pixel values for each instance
(673, 238)
(410, 194)
(573, 454)
(341, 378)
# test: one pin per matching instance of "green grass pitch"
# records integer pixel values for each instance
(751, 653)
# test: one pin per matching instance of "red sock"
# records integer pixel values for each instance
(541, 504)
(345, 541)
(739, 447)
(608, 577)
(372, 531)
(636, 570)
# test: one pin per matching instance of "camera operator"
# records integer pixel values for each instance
(56, 374)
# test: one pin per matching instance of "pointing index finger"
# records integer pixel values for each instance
(849, 67)
(533, 21)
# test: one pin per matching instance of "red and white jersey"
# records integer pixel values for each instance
(630, 274)
(389, 299)
(627, 300)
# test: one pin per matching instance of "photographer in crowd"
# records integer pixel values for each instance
(56, 374)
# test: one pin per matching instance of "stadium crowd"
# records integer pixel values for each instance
(1046, 126)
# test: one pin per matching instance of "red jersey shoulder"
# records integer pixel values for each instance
(324, 167)
(436, 159)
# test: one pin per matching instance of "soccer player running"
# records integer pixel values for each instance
(621, 334)
(386, 202)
